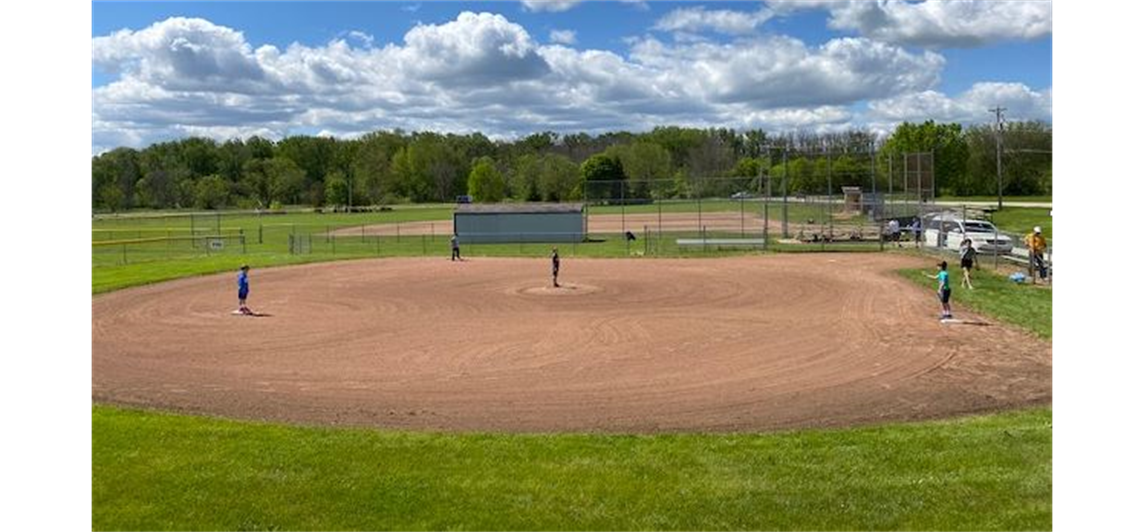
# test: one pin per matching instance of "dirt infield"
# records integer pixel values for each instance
(743, 343)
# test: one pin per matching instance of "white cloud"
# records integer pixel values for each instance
(182, 53)
(562, 36)
(699, 19)
(935, 23)
(475, 48)
(784, 72)
(550, 5)
(364, 38)
(971, 106)
(482, 72)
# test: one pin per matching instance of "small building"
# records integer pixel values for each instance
(519, 222)
(852, 199)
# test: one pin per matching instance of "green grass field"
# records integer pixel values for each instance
(1026, 306)
(1022, 220)
(162, 471)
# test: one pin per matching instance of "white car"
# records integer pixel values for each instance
(948, 233)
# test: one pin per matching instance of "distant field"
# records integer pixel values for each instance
(1005, 199)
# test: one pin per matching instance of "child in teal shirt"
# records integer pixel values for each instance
(943, 291)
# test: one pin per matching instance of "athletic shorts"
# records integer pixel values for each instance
(944, 294)
(242, 293)
(966, 264)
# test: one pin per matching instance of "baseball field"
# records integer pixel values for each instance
(724, 391)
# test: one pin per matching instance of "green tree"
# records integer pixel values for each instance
(372, 167)
(211, 192)
(118, 168)
(747, 167)
(269, 180)
(158, 189)
(337, 189)
(232, 157)
(602, 176)
(647, 167)
(486, 184)
(1026, 160)
(111, 197)
(946, 141)
(559, 178)
(524, 179)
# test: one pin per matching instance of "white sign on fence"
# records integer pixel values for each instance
(216, 244)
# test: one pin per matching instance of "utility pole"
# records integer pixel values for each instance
(998, 112)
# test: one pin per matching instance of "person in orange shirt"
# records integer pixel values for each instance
(1037, 246)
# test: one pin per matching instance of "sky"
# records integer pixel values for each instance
(169, 70)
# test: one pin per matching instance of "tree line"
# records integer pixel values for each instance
(386, 167)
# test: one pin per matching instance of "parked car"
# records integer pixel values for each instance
(741, 195)
(465, 199)
(948, 232)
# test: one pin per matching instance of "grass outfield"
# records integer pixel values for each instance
(1022, 220)
(158, 471)
(163, 471)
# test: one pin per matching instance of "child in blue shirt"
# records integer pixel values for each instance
(243, 289)
(943, 291)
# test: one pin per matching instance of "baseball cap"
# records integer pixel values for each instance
(1037, 229)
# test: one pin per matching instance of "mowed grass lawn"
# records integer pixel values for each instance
(163, 471)
(1021, 220)
(160, 471)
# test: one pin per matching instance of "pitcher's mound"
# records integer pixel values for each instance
(565, 289)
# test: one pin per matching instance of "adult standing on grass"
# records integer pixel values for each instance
(456, 248)
(1037, 245)
(916, 229)
(895, 232)
(968, 260)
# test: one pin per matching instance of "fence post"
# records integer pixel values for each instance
(333, 243)
(424, 251)
(363, 233)
(124, 253)
(767, 215)
(259, 232)
(996, 254)
(645, 233)
(699, 202)
(242, 237)
(660, 222)
(742, 222)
